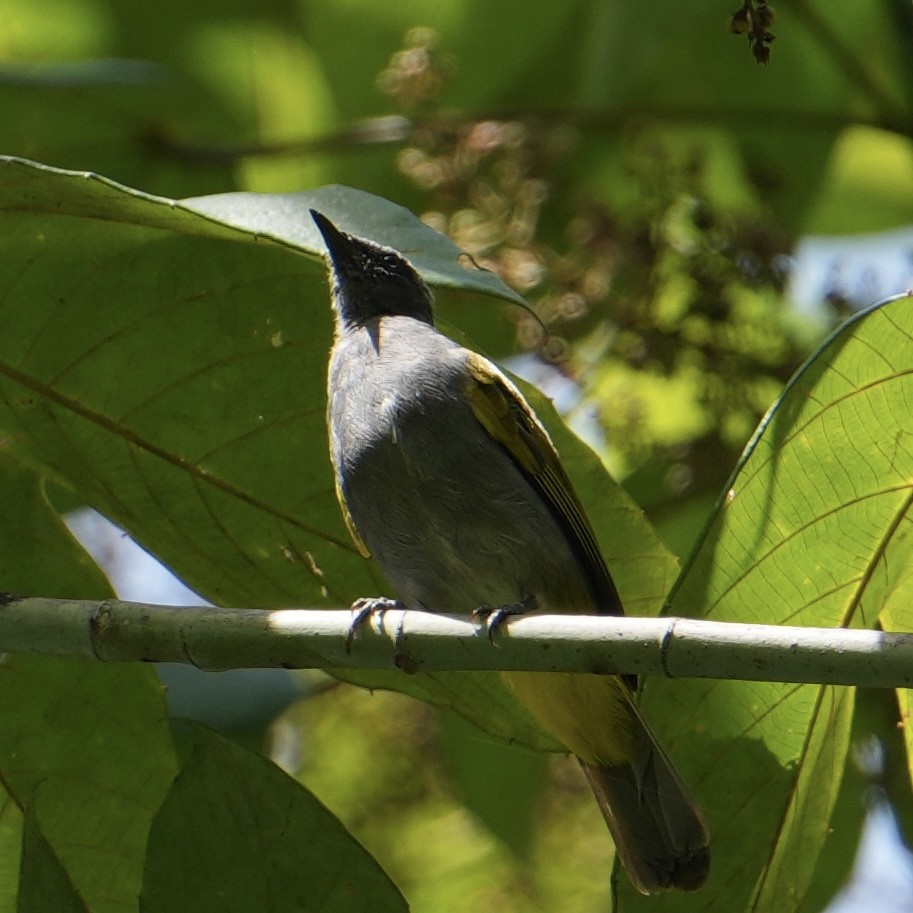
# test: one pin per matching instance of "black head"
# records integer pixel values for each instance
(369, 280)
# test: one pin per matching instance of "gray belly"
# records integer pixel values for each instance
(446, 514)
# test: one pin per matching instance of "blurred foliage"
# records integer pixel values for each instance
(628, 168)
(387, 767)
(666, 304)
(668, 307)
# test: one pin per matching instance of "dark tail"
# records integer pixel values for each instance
(659, 835)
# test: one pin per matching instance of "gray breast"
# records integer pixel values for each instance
(446, 514)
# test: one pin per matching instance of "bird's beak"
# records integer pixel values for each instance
(339, 246)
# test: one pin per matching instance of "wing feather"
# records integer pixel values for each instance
(503, 412)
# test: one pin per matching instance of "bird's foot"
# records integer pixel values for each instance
(494, 616)
(364, 609)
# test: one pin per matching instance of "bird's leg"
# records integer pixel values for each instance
(364, 608)
(494, 616)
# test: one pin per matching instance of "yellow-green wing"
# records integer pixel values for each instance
(507, 417)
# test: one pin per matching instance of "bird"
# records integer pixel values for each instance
(447, 479)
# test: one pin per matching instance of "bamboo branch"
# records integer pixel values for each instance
(211, 638)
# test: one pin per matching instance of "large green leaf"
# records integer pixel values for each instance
(812, 531)
(37, 553)
(172, 370)
(83, 748)
(167, 361)
(86, 751)
(88, 746)
(235, 833)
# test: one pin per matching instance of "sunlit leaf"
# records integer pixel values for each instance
(812, 531)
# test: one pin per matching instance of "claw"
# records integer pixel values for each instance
(494, 616)
(364, 608)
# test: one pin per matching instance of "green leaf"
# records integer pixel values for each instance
(44, 883)
(869, 185)
(285, 217)
(788, 871)
(38, 555)
(11, 829)
(874, 716)
(812, 531)
(171, 369)
(167, 361)
(778, 122)
(89, 743)
(67, 737)
(237, 834)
